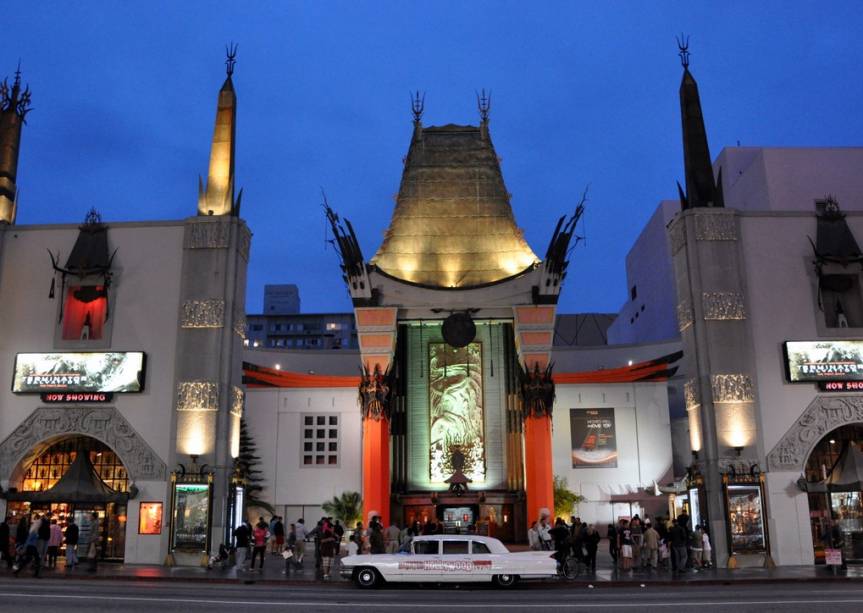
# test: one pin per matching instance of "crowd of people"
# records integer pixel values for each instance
(253, 542)
(35, 542)
(633, 544)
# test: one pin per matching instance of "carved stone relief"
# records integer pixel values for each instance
(244, 241)
(203, 314)
(824, 414)
(238, 398)
(732, 388)
(723, 306)
(715, 227)
(239, 319)
(684, 315)
(677, 236)
(691, 395)
(207, 234)
(106, 424)
(197, 396)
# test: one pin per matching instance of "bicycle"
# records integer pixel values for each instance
(572, 568)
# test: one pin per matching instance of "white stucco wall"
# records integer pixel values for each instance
(643, 443)
(273, 418)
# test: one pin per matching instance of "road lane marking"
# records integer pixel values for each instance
(391, 605)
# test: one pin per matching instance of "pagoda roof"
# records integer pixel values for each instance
(453, 225)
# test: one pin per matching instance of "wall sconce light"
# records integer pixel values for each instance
(694, 454)
(738, 449)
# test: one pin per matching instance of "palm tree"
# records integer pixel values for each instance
(348, 508)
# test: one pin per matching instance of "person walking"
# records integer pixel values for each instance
(259, 536)
(71, 543)
(5, 543)
(44, 536)
(290, 548)
(613, 551)
(707, 549)
(624, 537)
(241, 544)
(695, 546)
(30, 551)
(561, 539)
(54, 542)
(636, 526)
(679, 541)
(591, 544)
(279, 534)
(533, 537)
(93, 545)
(651, 546)
(300, 547)
(328, 548)
(392, 538)
(544, 537)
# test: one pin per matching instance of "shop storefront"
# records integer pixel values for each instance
(74, 478)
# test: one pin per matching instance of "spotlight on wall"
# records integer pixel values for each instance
(738, 449)
(694, 454)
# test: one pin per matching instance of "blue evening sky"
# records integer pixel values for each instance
(584, 93)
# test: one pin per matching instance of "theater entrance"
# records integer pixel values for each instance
(74, 477)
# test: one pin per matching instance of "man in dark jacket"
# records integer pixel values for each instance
(376, 537)
(71, 544)
(591, 544)
(241, 536)
(679, 541)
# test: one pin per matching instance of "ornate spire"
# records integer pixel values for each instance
(14, 106)
(217, 198)
(483, 104)
(702, 190)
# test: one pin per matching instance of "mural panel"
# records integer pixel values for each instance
(456, 411)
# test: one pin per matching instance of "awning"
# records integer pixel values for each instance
(80, 484)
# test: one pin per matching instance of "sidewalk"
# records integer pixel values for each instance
(604, 577)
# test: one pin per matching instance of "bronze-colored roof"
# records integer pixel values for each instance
(453, 225)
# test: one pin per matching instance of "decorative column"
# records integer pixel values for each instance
(718, 356)
(534, 334)
(376, 331)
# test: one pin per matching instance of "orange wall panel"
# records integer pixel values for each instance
(375, 317)
(535, 315)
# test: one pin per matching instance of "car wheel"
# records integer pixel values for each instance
(505, 580)
(367, 577)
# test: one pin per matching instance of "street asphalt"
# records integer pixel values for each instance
(28, 595)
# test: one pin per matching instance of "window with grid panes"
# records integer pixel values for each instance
(320, 440)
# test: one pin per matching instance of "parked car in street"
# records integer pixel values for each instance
(444, 558)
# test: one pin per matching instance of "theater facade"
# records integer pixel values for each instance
(466, 409)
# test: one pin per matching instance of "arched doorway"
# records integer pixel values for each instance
(843, 507)
(74, 476)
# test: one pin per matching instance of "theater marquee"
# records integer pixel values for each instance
(79, 372)
(824, 361)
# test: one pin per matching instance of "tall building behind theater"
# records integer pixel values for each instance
(124, 355)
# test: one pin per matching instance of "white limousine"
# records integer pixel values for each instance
(452, 559)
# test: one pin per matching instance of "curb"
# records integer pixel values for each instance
(575, 584)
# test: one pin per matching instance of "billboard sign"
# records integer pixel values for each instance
(817, 361)
(594, 439)
(84, 372)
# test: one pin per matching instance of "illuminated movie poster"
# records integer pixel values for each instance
(455, 410)
(594, 441)
(115, 371)
(824, 360)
